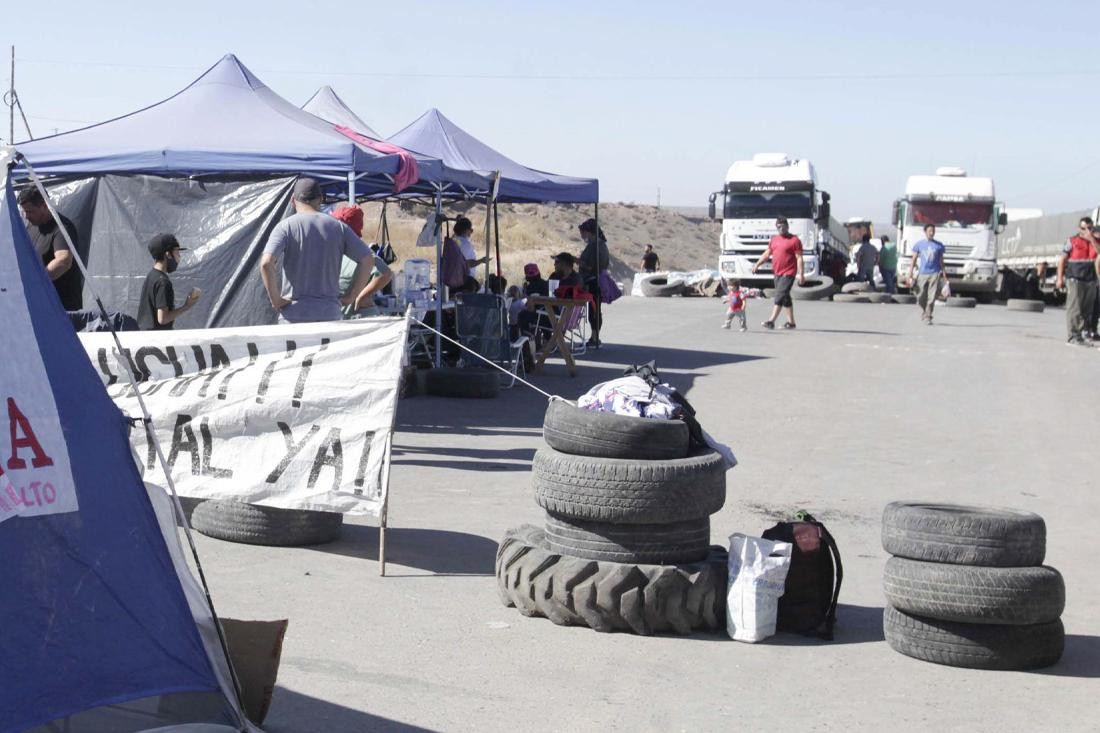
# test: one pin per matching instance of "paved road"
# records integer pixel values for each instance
(860, 406)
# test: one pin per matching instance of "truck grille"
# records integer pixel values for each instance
(957, 251)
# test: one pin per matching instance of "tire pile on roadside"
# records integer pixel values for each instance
(966, 587)
(626, 541)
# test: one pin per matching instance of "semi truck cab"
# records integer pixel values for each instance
(758, 191)
(967, 218)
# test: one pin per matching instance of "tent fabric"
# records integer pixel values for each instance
(226, 121)
(326, 104)
(435, 135)
(94, 612)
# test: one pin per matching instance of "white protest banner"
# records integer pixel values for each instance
(291, 416)
(35, 476)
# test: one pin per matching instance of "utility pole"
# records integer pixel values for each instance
(658, 197)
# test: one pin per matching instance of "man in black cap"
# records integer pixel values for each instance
(157, 305)
(49, 242)
(310, 246)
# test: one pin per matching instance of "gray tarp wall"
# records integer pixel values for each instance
(223, 222)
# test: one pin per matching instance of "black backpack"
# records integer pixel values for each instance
(808, 604)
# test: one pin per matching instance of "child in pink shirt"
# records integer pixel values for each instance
(736, 300)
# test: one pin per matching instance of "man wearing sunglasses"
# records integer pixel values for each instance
(1079, 268)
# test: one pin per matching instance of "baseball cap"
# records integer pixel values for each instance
(352, 216)
(531, 270)
(162, 244)
(565, 257)
(307, 189)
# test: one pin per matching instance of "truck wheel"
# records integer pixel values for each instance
(627, 491)
(651, 544)
(1031, 306)
(963, 535)
(975, 646)
(957, 301)
(609, 596)
(658, 286)
(815, 288)
(851, 298)
(971, 594)
(570, 429)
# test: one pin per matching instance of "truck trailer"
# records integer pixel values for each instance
(758, 191)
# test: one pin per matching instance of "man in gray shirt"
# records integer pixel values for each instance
(866, 258)
(310, 246)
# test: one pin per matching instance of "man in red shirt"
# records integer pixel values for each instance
(1080, 263)
(785, 252)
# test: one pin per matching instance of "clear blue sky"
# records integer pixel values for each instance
(641, 94)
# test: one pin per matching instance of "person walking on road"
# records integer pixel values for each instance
(650, 261)
(866, 257)
(785, 252)
(928, 252)
(888, 265)
(1080, 265)
(309, 246)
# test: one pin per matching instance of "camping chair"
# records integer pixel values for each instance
(482, 324)
(575, 328)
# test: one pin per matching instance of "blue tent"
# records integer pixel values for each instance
(326, 104)
(95, 616)
(435, 135)
(227, 121)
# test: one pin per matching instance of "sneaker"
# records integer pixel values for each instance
(789, 326)
(746, 328)
(726, 325)
(768, 325)
(1076, 341)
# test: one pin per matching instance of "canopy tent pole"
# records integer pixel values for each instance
(488, 241)
(438, 274)
(598, 305)
(351, 188)
(496, 234)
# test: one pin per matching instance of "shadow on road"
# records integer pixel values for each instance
(477, 459)
(292, 712)
(1080, 659)
(438, 551)
(854, 625)
(844, 330)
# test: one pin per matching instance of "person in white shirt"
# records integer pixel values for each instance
(463, 229)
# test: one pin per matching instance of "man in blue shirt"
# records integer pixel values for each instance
(929, 253)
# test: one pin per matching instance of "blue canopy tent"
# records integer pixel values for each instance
(214, 164)
(326, 104)
(104, 628)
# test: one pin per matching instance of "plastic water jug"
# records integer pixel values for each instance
(417, 274)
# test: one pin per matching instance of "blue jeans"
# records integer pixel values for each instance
(889, 281)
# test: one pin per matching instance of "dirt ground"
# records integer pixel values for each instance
(860, 406)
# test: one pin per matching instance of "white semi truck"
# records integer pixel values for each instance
(967, 217)
(758, 191)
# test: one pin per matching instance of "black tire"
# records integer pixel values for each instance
(964, 535)
(188, 505)
(851, 298)
(958, 301)
(904, 298)
(626, 491)
(873, 297)
(649, 544)
(569, 429)
(974, 646)
(972, 594)
(251, 524)
(454, 382)
(609, 596)
(856, 286)
(1019, 304)
(816, 288)
(658, 286)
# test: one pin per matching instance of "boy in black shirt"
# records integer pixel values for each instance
(156, 308)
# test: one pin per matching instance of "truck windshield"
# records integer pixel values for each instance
(949, 214)
(791, 204)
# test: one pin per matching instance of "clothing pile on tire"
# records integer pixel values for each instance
(966, 587)
(625, 544)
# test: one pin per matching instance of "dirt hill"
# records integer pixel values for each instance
(534, 233)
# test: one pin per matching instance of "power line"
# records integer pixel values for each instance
(876, 76)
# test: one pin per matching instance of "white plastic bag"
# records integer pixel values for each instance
(757, 573)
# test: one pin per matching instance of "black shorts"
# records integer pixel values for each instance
(783, 285)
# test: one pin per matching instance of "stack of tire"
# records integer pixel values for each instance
(966, 587)
(625, 545)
